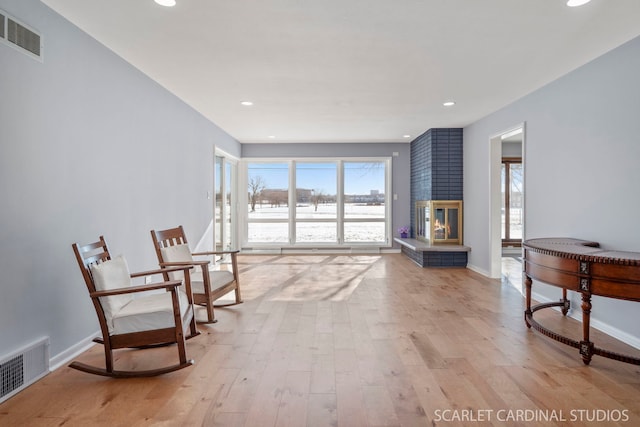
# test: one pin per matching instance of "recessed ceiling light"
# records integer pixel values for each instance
(272, 136)
(449, 103)
(167, 3)
(406, 136)
(575, 3)
(247, 103)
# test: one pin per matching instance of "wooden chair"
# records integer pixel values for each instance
(150, 319)
(208, 285)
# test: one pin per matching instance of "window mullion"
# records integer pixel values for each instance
(340, 202)
(223, 202)
(507, 201)
(388, 190)
(292, 202)
(243, 200)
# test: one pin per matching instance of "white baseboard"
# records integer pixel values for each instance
(478, 270)
(626, 338)
(70, 353)
(354, 250)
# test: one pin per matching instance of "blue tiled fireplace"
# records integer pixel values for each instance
(436, 174)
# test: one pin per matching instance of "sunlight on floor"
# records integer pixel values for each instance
(307, 278)
(318, 283)
(512, 272)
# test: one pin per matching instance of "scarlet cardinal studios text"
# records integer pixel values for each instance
(531, 415)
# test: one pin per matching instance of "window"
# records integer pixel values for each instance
(316, 215)
(364, 202)
(511, 201)
(328, 202)
(268, 193)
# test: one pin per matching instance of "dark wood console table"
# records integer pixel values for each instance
(584, 267)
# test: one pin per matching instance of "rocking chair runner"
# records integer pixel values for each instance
(150, 320)
(208, 285)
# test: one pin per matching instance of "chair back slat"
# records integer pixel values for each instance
(86, 255)
(92, 246)
(166, 238)
(95, 259)
(91, 253)
(170, 237)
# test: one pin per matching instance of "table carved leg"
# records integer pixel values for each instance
(527, 312)
(586, 346)
(566, 304)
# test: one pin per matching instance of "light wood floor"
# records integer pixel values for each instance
(353, 341)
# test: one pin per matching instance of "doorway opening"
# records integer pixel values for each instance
(507, 196)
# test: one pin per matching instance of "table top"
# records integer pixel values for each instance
(582, 250)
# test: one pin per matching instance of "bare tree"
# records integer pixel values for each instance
(256, 186)
(317, 196)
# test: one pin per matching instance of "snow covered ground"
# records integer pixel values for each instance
(325, 230)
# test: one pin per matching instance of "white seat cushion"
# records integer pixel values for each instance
(217, 278)
(182, 253)
(154, 311)
(108, 275)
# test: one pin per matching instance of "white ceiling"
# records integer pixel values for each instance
(352, 70)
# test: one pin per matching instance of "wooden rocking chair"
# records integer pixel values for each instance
(208, 285)
(149, 320)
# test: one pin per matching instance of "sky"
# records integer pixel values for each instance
(359, 177)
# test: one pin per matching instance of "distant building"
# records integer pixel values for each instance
(373, 198)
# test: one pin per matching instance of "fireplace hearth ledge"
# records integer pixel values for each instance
(440, 255)
(420, 246)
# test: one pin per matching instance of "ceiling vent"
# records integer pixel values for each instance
(20, 36)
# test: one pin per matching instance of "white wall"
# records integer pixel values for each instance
(581, 169)
(88, 146)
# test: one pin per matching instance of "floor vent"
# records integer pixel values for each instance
(20, 36)
(23, 368)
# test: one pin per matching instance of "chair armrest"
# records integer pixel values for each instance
(182, 263)
(215, 253)
(162, 270)
(170, 285)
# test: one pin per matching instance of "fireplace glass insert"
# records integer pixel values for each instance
(439, 221)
